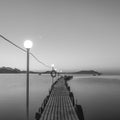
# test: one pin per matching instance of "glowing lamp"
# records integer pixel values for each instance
(28, 44)
(52, 65)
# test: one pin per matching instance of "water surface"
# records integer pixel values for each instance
(13, 95)
(99, 96)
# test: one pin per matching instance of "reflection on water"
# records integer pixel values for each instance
(99, 96)
(13, 95)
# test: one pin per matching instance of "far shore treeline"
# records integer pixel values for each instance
(13, 70)
(16, 70)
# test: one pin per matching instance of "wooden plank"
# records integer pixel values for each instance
(56, 106)
(51, 107)
(68, 109)
(71, 109)
(59, 105)
(64, 108)
(46, 110)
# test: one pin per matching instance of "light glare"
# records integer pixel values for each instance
(28, 44)
(52, 65)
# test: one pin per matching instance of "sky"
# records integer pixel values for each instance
(72, 34)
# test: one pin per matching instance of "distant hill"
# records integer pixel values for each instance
(9, 70)
(46, 72)
(88, 72)
(13, 70)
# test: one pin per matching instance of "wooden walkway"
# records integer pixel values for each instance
(59, 105)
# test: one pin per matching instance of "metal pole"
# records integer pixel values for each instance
(27, 87)
(52, 76)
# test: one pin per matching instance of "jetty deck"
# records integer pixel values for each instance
(59, 105)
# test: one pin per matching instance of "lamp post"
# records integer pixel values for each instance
(27, 44)
(52, 66)
(52, 70)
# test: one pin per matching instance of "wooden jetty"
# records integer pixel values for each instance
(59, 104)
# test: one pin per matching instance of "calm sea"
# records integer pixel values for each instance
(13, 95)
(99, 96)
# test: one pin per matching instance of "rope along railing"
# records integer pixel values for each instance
(25, 51)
